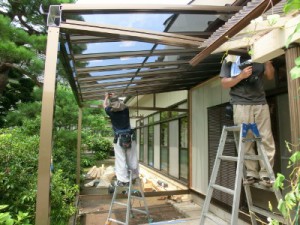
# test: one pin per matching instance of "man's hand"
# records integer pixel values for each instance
(246, 72)
(228, 82)
(107, 96)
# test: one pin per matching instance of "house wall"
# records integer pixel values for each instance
(208, 94)
(203, 96)
(163, 100)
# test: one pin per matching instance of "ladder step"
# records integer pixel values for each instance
(223, 189)
(253, 157)
(260, 186)
(251, 139)
(138, 210)
(228, 158)
(120, 203)
(267, 214)
(116, 221)
(233, 128)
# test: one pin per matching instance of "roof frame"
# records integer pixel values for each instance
(171, 64)
(143, 8)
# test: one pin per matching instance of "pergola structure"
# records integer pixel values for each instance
(188, 58)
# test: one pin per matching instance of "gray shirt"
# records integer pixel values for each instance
(249, 91)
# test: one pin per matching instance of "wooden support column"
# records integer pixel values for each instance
(294, 93)
(45, 150)
(78, 146)
(190, 139)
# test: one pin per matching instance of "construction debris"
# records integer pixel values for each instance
(102, 177)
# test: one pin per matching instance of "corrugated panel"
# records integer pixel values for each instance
(277, 9)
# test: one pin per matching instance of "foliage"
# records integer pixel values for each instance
(64, 152)
(100, 146)
(6, 218)
(290, 205)
(19, 154)
(63, 193)
(18, 174)
(87, 161)
(22, 50)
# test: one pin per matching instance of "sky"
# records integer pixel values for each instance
(145, 21)
(153, 22)
(132, 2)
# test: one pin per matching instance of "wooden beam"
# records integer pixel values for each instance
(122, 33)
(162, 80)
(98, 95)
(112, 55)
(130, 66)
(237, 24)
(143, 8)
(128, 75)
(84, 39)
(273, 43)
(135, 87)
(148, 108)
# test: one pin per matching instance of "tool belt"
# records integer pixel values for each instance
(125, 138)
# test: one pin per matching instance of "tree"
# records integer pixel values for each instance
(22, 50)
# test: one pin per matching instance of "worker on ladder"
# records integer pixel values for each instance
(245, 80)
(123, 141)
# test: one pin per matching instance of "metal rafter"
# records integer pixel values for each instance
(135, 8)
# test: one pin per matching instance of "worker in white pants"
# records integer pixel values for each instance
(124, 146)
(130, 157)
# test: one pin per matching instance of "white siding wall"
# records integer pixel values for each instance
(209, 94)
(170, 98)
(174, 149)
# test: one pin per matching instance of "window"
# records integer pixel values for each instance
(183, 149)
(164, 147)
(151, 119)
(164, 115)
(151, 145)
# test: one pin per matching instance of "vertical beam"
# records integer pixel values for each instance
(43, 184)
(190, 140)
(294, 91)
(78, 146)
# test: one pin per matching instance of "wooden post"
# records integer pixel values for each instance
(78, 146)
(294, 93)
(45, 150)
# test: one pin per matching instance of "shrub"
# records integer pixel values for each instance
(87, 161)
(101, 147)
(7, 219)
(63, 194)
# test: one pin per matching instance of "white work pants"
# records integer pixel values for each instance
(126, 160)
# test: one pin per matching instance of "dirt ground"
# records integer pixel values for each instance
(94, 206)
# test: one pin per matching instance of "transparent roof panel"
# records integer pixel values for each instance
(117, 47)
(103, 73)
(121, 61)
(154, 22)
